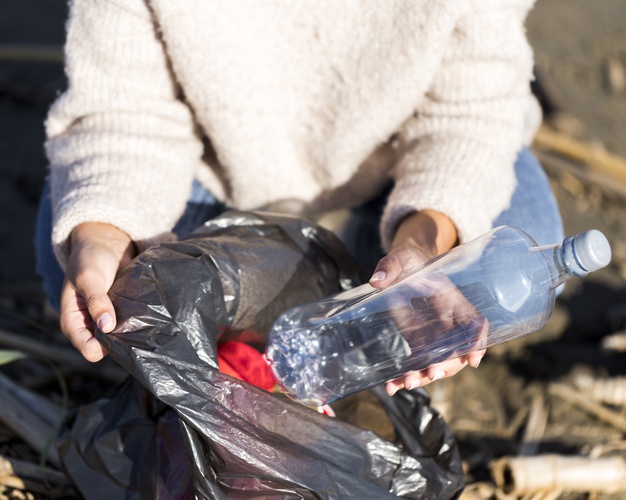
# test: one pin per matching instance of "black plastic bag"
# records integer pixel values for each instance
(229, 280)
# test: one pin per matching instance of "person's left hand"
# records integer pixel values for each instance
(420, 237)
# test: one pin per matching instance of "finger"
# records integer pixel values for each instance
(413, 380)
(481, 326)
(474, 358)
(87, 344)
(76, 325)
(393, 386)
(410, 380)
(445, 369)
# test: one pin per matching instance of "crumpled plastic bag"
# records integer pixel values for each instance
(181, 429)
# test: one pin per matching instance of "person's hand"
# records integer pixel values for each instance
(97, 252)
(421, 237)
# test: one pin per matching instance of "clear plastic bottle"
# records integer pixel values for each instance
(493, 289)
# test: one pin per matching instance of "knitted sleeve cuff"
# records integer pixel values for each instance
(460, 178)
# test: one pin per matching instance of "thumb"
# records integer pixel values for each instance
(101, 310)
(99, 305)
(386, 272)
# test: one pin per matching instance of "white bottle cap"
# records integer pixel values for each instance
(592, 250)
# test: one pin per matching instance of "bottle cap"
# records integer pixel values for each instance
(591, 250)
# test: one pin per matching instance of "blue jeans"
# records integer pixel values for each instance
(533, 208)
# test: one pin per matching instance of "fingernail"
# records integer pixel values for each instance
(378, 276)
(414, 384)
(105, 321)
(438, 375)
(393, 390)
(479, 360)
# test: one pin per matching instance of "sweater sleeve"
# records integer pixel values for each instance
(121, 144)
(460, 146)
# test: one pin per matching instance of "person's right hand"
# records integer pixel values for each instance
(97, 252)
(419, 238)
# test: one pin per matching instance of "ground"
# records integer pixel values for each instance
(580, 49)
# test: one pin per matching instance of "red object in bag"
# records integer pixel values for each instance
(244, 362)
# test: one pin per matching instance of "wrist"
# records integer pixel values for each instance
(429, 230)
(107, 235)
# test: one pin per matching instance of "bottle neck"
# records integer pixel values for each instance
(562, 262)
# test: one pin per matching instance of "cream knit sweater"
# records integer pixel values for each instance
(317, 103)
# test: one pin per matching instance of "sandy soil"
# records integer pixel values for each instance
(575, 42)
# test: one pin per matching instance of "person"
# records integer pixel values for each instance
(177, 110)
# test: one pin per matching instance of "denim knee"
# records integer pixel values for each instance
(46, 263)
(533, 206)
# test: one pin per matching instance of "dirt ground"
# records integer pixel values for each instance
(519, 402)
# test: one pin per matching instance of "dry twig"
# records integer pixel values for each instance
(614, 342)
(31, 417)
(551, 473)
(22, 475)
(535, 426)
(607, 390)
(593, 408)
(596, 157)
(66, 357)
